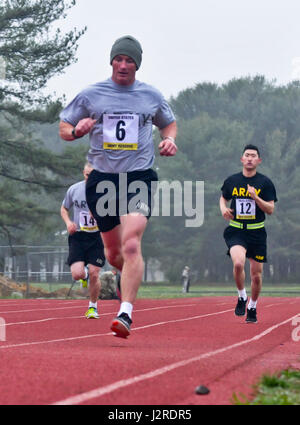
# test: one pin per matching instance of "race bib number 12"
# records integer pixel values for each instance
(245, 209)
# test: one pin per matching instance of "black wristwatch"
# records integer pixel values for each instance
(74, 133)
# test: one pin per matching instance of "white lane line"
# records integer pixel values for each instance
(107, 314)
(65, 307)
(47, 319)
(82, 316)
(39, 309)
(270, 305)
(43, 309)
(106, 305)
(23, 344)
(40, 302)
(98, 392)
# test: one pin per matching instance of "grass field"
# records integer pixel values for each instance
(174, 291)
(280, 389)
(161, 290)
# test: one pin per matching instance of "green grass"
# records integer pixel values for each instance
(165, 290)
(278, 389)
(158, 290)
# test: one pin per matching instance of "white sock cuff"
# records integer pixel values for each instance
(126, 308)
(242, 293)
(252, 304)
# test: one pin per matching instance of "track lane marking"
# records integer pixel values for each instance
(43, 309)
(106, 314)
(40, 301)
(61, 308)
(23, 344)
(98, 392)
(101, 314)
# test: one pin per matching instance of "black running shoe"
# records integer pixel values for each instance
(251, 315)
(121, 325)
(240, 308)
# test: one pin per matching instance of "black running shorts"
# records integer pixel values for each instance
(110, 196)
(254, 241)
(86, 247)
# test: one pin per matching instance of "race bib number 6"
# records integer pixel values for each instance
(245, 209)
(120, 131)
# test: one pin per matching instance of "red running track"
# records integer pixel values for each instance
(53, 355)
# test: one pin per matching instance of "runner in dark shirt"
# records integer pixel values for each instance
(252, 196)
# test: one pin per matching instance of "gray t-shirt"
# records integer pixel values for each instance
(75, 198)
(121, 140)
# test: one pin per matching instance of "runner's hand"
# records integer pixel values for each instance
(251, 191)
(167, 148)
(84, 126)
(228, 214)
(71, 227)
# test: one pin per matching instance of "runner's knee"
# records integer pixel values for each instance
(256, 277)
(112, 255)
(238, 266)
(130, 247)
(94, 273)
(77, 275)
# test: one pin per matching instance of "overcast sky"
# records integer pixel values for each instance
(186, 42)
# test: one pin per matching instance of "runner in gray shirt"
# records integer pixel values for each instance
(121, 137)
(86, 252)
(119, 115)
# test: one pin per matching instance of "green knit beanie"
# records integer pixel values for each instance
(128, 46)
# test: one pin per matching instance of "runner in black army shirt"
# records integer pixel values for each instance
(252, 196)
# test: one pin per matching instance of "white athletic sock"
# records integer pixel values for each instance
(242, 294)
(126, 308)
(252, 304)
(91, 304)
(86, 270)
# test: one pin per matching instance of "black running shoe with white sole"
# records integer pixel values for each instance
(121, 325)
(240, 308)
(251, 315)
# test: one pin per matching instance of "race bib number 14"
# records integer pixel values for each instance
(120, 131)
(87, 222)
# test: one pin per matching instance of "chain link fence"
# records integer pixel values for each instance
(41, 271)
(35, 264)
(34, 269)
(46, 267)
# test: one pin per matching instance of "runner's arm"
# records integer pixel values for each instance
(83, 127)
(168, 134)
(71, 226)
(227, 213)
(265, 206)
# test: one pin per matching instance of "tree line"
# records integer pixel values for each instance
(215, 122)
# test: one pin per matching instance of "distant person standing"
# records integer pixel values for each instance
(86, 252)
(252, 195)
(185, 277)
